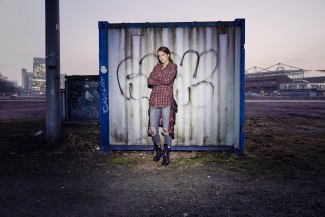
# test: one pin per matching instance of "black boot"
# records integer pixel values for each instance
(166, 155)
(158, 151)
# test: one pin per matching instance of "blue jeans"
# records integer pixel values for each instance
(155, 114)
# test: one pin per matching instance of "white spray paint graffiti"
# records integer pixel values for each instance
(204, 88)
(83, 100)
(103, 69)
(103, 86)
(88, 96)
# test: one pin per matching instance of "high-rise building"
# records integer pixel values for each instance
(39, 76)
(26, 80)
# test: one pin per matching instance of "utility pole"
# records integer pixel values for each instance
(52, 41)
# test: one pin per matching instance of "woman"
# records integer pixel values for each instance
(161, 80)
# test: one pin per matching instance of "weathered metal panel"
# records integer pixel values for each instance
(207, 87)
(82, 94)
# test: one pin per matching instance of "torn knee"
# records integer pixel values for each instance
(152, 131)
(166, 131)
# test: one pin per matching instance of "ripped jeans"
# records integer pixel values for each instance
(155, 114)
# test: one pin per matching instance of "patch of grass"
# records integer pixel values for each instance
(121, 159)
(285, 150)
(189, 160)
(20, 135)
(81, 136)
(272, 146)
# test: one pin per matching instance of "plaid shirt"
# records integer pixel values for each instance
(162, 81)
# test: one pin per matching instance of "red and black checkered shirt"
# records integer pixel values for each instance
(162, 81)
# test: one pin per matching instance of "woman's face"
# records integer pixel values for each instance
(163, 57)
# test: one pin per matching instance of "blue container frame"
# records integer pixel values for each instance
(104, 26)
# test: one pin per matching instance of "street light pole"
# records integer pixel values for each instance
(52, 41)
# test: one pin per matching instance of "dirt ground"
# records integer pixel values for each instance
(280, 174)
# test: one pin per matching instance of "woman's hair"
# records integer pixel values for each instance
(166, 51)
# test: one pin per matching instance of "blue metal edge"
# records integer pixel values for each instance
(236, 22)
(173, 148)
(240, 151)
(103, 84)
(102, 25)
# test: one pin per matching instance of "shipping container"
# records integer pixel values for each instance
(208, 87)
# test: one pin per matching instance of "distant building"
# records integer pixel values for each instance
(39, 78)
(259, 81)
(26, 80)
(309, 87)
(264, 85)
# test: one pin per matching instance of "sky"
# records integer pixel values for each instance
(291, 32)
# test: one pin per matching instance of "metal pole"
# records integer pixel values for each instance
(52, 41)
